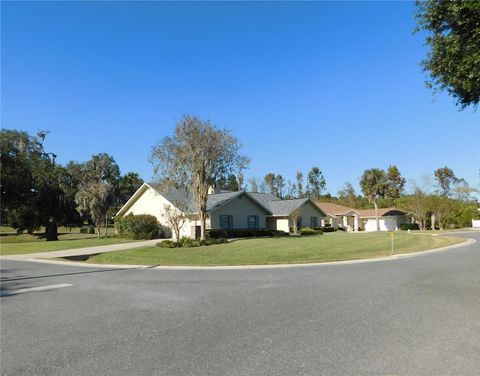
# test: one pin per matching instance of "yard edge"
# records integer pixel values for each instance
(467, 242)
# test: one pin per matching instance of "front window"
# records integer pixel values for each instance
(314, 222)
(226, 221)
(299, 222)
(252, 221)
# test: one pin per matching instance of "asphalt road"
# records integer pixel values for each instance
(412, 316)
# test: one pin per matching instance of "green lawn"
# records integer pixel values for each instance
(328, 247)
(11, 243)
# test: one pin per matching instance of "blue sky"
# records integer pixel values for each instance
(335, 85)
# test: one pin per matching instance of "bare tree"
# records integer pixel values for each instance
(270, 180)
(291, 190)
(175, 217)
(253, 184)
(299, 177)
(196, 156)
(293, 218)
(280, 185)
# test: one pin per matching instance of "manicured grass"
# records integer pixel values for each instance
(328, 247)
(44, 246)
(9, 235)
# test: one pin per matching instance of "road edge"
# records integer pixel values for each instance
(467, 242)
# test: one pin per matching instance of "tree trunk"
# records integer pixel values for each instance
(294, 226)
(176, 229)
(51, 230)
(106, 225)
(376, 214)
(432, 220)
(203, 223)
(99, 226)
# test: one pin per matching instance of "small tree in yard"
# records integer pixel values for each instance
(197, 156)
(293, 217)
(419, 205)
(440, 208)
(374, 183)
(176, 218)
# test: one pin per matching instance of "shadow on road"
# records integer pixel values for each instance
(7, 279)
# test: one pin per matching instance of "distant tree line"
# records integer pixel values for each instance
(449, 203)
(37, 191)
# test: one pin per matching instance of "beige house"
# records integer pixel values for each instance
(226, 210)
(349, 219)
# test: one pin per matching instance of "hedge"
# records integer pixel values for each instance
(310, 231)
(409, 226)
(186, 242)
(242, 233)
(143, 226)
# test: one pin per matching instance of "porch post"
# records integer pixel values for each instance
(355, 222)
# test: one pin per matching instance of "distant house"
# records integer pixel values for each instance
(349, 219)
(226, 210)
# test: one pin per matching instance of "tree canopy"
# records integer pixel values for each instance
(197, 156)
(453, 62)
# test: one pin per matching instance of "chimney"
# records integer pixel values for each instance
(214, 188)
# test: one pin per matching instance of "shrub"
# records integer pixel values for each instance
(143, 226)
(409, 226)
(243, 233)
(84, 230)
(187, 242)
(310, 231)
(167, 244)
(91, 230)
(328, 228)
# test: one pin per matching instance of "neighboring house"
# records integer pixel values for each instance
(339, 216)
(354, 219)
(226, 210)
(390, 219)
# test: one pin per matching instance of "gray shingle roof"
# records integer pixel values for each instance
(183, 197)
(277, 206)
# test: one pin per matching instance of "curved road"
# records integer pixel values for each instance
(411, 316)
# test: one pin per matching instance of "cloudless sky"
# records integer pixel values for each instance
(332, 84)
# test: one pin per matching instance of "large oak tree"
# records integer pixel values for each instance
(453, 35)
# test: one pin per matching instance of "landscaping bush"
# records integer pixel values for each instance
(310, 231)
(84, 230)
(91, 230)
(243, 233)
(143, 226)
(167, 244)
(328, 228)
(186, 242)
(409, 226)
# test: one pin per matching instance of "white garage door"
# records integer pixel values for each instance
(386, 224)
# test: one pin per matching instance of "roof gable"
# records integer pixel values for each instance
(382, 212)
(335, 209)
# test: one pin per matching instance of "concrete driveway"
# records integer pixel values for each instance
(82, 251)
(410, 316)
